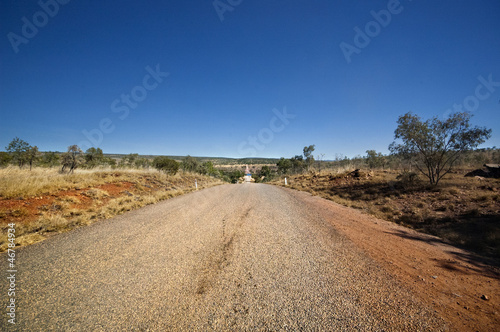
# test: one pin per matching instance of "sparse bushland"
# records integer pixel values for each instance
(469, 159)
(462, 210)
(45, 201)
(231, 175)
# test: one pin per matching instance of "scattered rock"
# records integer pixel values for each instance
(485, 297)
(434, 277)
(489, 171)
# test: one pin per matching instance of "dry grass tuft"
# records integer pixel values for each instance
(96, 194)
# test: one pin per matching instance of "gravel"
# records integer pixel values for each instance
(232, 257)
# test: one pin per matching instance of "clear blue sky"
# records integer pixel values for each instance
(87, 69)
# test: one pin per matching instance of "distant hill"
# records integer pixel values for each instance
(215, 160)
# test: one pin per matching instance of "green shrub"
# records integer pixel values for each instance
(166, 165)
(407, 179)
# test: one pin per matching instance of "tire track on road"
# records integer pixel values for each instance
(219, 257)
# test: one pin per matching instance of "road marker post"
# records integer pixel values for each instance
(285, 182)
(196, 184)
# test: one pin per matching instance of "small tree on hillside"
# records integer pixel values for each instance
(190, 164)
(32, 155)
(297, 164)
(374, 159)
(93, 157)
(18, 150)
(131, 158)
(5, 158)
(208, 168)
(435, 145)
(109, 161)
(265, 172)
(50, 159)
(235, 175)
(166, 165)
(284, 166)
(141, 162)
(72, 158)
(308, 155)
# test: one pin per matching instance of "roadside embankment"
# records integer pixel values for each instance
(43, 202)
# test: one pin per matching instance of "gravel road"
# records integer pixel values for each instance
(232, 257)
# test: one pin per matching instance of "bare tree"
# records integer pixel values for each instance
(320, 159)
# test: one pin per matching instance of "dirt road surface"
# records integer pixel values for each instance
(233, 257)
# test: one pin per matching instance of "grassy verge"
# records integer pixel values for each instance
(44, 202)
(464, 211)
